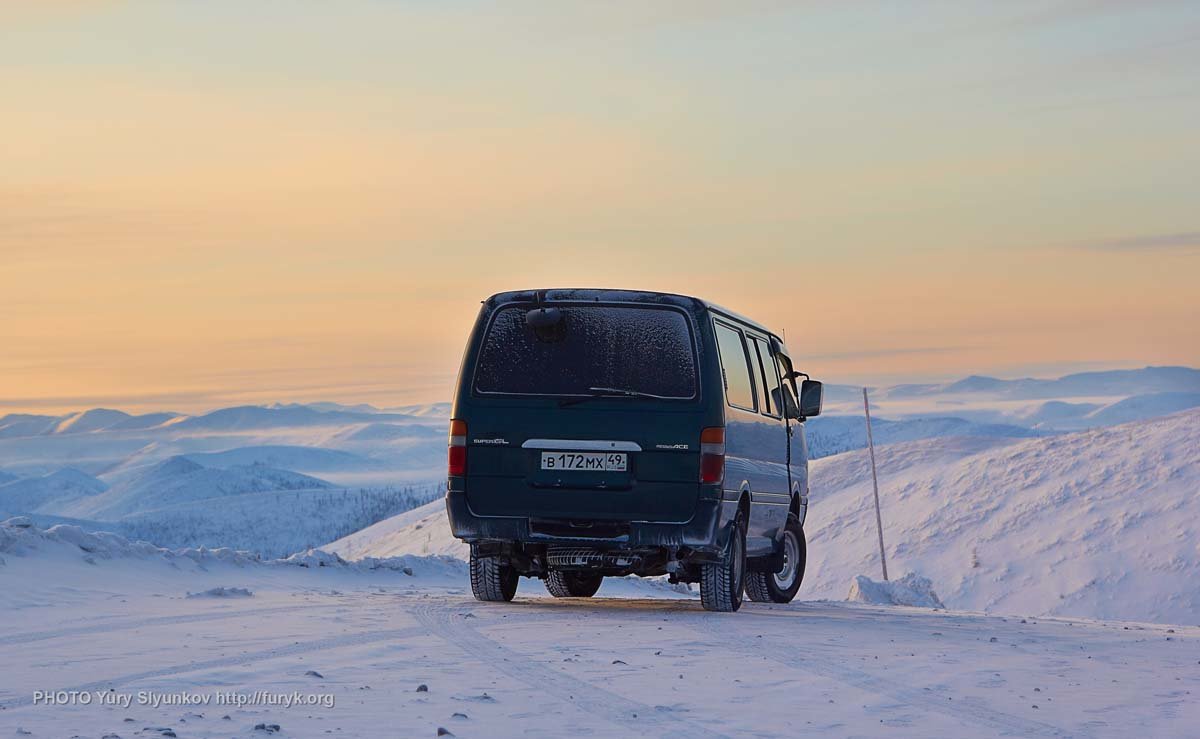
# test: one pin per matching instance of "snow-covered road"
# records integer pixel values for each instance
(611, 666)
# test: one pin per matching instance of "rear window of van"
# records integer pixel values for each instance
(639, 350)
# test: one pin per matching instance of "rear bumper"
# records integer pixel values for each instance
(700, 532)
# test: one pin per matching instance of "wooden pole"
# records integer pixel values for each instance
(875, 483)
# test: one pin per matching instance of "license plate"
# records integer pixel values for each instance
(584, 461)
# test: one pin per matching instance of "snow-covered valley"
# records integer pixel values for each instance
(274, 480)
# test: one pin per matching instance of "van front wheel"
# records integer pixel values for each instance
(781, 587)
(492, 579)
(721, 582)
(573, 584)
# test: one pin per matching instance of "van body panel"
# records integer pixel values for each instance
(654, 498)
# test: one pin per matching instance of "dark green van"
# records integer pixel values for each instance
(613, 432)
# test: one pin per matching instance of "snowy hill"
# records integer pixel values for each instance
(1102, 524)
(272, 524)
(1142, 406)
(180, 480)
(1059, 413)
(16, 425)
(56, 489)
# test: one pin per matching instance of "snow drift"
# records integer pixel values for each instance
(1100, 524)
(424, 530)
(910, 590)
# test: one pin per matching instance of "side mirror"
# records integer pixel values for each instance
(812, 395)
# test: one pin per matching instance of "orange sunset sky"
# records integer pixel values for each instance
(206, 204)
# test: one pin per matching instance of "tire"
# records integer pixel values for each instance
(782, 586)
(721, 582)
(491, 579)
(573, 584)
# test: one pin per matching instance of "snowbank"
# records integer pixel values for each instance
(421, 531)
(910, 590)
(223, 592)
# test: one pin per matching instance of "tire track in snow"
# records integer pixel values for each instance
(828, 666)
(128, 624)
(824, 662)
(639, 719)
(317, 645)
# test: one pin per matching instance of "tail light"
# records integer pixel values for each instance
(712, 455)
(457, 454)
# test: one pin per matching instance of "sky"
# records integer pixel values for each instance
(207, 204)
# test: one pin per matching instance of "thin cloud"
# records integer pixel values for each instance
(877, 353)
(1185, 240)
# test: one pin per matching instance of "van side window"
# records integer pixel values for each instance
(739, 387)
(772, 400)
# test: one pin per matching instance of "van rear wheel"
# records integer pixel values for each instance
(573, 584)
(781, 587)
(721, 582)
(491, 578)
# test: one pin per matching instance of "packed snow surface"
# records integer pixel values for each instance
(367, 650)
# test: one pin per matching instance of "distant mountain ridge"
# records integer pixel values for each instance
(1180, 381)
(1082, 384)
(245, 417)
(304, 459)
(249, 417)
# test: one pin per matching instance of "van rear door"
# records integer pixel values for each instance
(585, 411)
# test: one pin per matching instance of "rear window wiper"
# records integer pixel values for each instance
(609, 392)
